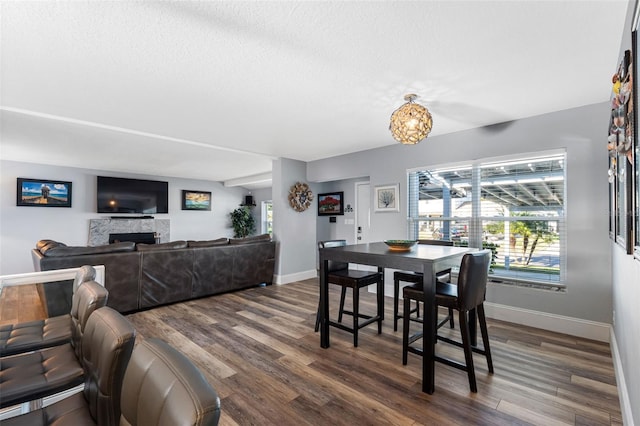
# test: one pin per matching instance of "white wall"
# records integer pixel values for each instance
(581, 131)
(22, 227)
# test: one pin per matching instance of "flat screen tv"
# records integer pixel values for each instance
(122, 195)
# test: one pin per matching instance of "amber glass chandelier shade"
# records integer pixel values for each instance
(411, 122)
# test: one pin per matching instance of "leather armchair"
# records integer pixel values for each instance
(34, 375)
(108, 343)
(161, 386)
(34, 335)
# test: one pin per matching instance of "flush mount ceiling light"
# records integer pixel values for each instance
(411, 122)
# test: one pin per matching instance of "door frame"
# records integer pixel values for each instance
(357, 209)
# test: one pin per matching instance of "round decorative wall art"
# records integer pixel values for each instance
(300, 197)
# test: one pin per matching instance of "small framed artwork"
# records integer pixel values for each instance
(196, 200)
(43, 193)
(331, 204)
(386, 198)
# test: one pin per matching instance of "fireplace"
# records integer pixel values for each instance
(136, 237)
(100, 230)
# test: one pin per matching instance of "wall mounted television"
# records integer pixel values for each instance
(122, 195)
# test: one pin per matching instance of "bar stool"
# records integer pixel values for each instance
(416, 278)
(468, 294)
(340, 274)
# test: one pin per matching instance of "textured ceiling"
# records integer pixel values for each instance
(216, 90)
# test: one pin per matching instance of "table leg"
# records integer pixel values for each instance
(428, 330)
(381, 293)
(324, 303)
(380, 299)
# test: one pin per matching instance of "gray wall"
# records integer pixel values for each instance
(295, 231)
(581, 131)
(22, 227)
(626, 296)
(626, 322)
(339, 229)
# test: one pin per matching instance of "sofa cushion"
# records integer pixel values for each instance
(208, 243)
(42, 243)
(63, 250)
(164, 246)
(46, 245)
(249, 240)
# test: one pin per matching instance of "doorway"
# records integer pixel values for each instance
(363, 221)
(363, 212)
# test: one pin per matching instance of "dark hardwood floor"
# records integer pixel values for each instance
(258, 349)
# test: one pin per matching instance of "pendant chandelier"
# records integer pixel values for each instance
(411, 122)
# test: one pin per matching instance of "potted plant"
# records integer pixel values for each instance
(242, 222)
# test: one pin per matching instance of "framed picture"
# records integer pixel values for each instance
(386, 198)
(43, 193)
(196, 200)
(331, 204)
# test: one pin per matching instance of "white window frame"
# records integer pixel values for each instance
(476, 220)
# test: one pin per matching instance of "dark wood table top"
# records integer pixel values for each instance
(379, 254)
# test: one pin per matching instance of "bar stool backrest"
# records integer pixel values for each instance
(472, 279)
(333, 265)
(436, 242)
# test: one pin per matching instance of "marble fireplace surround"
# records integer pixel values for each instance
(99, 229)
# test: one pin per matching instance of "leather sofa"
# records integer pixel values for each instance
(141, 276)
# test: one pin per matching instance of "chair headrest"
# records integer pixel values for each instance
(160, 382)
(107, 344)
(89, 297)
(85, 273)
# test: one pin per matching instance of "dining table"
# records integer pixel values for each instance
(424, 258)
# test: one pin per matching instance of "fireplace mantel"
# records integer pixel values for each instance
(99, 229)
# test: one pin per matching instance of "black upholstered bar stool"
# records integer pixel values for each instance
(340, 274)
(416, 278)
(468, 294)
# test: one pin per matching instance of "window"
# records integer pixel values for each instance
(267, 217)
(515, 208)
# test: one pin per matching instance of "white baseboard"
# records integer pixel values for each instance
(298, 276)
(561, 324)
(623, 394)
